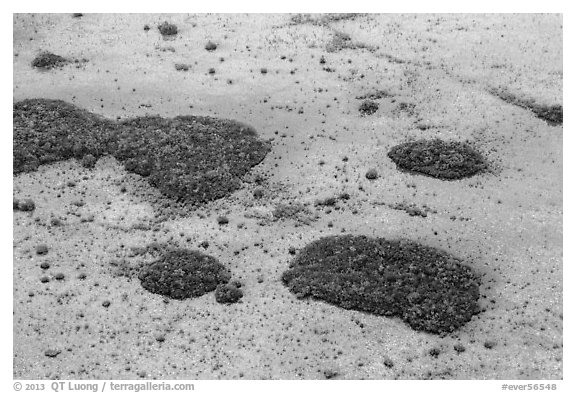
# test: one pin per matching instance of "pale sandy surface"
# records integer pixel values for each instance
(508, 223)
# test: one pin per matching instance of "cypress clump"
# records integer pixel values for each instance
(48, 60)
(188, 158)
(181, 274)
(437, 158)
(427, 288)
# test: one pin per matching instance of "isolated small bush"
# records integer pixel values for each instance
(168, 29)
(228, 293)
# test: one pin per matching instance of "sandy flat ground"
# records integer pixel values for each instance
(506, 223)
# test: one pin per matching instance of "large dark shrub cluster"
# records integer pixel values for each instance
(48, 60)
(552, 114)
(427, 288)
(181, 274)
(189, 158)
(437, 158)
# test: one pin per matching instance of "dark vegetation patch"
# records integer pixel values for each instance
(181, 274)
(376, 95)
(328, 201)
(553, 114)
(372, 174)
(406, 107)
(228, 293)
(427, 288)
(167, 29)
(25, 205)
(437, 158)
(322, 20)
(48, 60)
(341, 41)
(368, 107)
(188, 158)
(412, 209)
(210, 46)
(293, 211)
(181, 67)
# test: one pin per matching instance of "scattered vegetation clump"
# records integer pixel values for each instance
(41, 249)
(368, 107)
(181, 274)
(188, 158)
(553, 114)
(341, 41)
(293, 211)
(228, 293)
(167, 29)
(427, 288)
(328, 201)
(182, 67)
(372, 174)
(376, 95)
(25, 205)
(437, 158)
(210, 46)
(412, 209)
(48, 60)
(406, 107)
(321, 20)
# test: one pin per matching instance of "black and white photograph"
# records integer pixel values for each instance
(286, 196)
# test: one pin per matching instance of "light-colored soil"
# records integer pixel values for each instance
(507, 223)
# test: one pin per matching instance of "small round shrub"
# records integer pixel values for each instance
(168, 29)
(181, 274)
(427, 288)
(437, 158)
(372, 174)
(368, 107)
(42, 249)
(228, 293)
(210, 46)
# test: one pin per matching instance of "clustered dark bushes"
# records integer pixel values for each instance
(553, 114)
(46, 131)
(210, 46)
(368, 107)
(47, 60)
(181, 274)
(228, 293)
(427, 288)
(437, 158)
(168, 28)
(188, 158)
